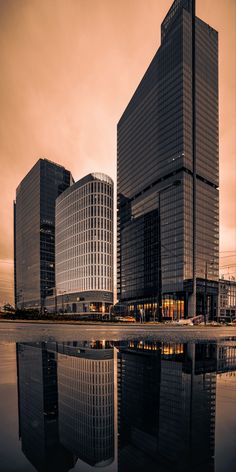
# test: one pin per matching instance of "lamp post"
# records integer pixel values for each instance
(176, 183)
(54, 294)
(55, 300)
(205, 295)
(62, 301)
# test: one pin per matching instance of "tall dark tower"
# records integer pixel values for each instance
(168, 198)
(34, 232)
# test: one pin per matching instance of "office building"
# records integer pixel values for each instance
(84, 247)
(34, 232)
(168, 198)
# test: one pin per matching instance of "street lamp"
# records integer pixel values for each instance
(54, 294)
(62, 301)
(176, 183)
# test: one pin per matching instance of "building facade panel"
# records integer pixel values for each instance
(84, 243)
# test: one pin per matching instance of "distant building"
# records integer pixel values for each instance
(84, 247)
(227, 300)
(34, 232)
(168, 235)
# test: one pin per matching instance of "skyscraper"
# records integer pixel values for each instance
(84, 246)
(34, 232)
(168, 198)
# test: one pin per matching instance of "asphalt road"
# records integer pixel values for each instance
(36, 331)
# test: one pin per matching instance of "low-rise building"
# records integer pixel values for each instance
(227, 300)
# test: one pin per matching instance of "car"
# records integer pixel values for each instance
(129, 319)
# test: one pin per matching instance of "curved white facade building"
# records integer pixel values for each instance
(84, 245)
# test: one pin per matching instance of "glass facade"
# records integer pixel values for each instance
(34, 232)
(84, 245)
(169, 132)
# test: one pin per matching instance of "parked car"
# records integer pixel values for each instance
(130, 319)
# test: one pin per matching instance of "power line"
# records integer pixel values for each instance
(224, 257)
(226, 266)
(229, 273)
(227, 251)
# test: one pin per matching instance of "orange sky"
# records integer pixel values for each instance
(68, 70)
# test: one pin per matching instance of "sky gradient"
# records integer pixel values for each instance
(68, 70)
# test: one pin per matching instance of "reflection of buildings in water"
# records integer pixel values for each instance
(166, 404)
(139, 384)
(187, 406)
(226, 357)
(86, 402)
(38, 409)
(66, 396)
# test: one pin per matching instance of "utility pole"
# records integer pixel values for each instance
(159, 261)
(55, 300)
(205, 296)
(62, 302)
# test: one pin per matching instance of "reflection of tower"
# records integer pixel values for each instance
(187, 406)
(86, 402)
(38, 408)
(167, 406)
(139, 385)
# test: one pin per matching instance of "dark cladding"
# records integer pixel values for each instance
(34, 232)
(169, 131)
